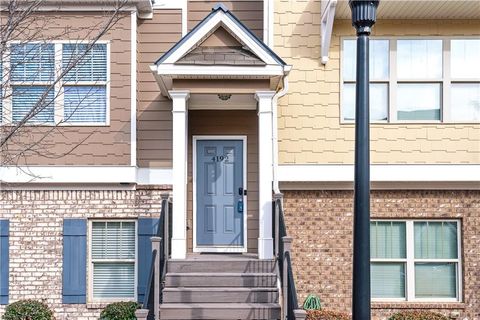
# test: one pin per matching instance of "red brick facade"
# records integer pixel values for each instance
(320, 223)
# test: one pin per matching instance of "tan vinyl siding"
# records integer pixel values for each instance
(86, 145)
(154, 112)
(309, 115)
(243, 122)
(249, 12)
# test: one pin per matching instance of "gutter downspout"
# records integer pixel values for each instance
(278, 95)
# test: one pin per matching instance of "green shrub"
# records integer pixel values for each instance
(120, 311)
(28, 310)
(327, 315)
(417, 315)
(312, 302)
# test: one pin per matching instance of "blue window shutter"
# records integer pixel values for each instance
(147, 228)
(74, 261)
(4, 226)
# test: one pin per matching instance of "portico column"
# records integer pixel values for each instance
(179, 213)
(265, 173)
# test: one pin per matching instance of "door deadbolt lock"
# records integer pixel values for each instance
(242, 192)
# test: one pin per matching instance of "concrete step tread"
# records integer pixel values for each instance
(222, 289)
(222, 274)
(219, 306)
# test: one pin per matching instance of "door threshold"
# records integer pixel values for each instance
(221, 256)
(220, 249)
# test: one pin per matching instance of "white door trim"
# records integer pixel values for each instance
(226, 249)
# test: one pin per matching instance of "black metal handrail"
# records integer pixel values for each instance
(282, 246)
(159, 255)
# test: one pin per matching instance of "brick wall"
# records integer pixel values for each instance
(320, 223)
(36, 220)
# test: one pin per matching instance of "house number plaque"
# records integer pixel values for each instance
(219, 158)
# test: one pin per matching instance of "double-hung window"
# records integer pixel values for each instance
(112, 260)
(379, 75)
(465, 79)
(32, 75)
(85, 85)
(416, 80)
(415, 260)
(56, 83)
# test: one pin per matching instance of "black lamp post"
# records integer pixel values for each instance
(363, 18)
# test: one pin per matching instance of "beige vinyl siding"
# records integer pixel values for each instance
(249, 12)
(309, 124)
(228, 122)
(86, 145)
(154, 111)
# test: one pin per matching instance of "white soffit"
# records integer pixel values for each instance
(419, 9)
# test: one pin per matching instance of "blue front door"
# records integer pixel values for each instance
(219, 193)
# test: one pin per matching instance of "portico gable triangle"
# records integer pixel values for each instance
(220, 17)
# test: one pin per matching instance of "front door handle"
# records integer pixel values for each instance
(240, 206)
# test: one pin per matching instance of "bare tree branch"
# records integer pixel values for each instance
(22, 23)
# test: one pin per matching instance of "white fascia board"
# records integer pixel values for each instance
(68, 174)
(154, 176)
(326, 29)
(217, 19)
(381, 173)
(86, 175)
(268, 70)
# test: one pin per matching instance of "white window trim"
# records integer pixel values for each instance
(392, 81)
(410, 263)
(90, 262)
(58, 90)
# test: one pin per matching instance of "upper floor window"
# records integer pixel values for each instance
(427, 80)
(55, 83)
(415, 260)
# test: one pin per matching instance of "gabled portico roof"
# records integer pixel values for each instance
(245, 56)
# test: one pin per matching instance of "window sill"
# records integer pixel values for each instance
(97, 305)
(63, 125)
(418, 305)
(103, 304)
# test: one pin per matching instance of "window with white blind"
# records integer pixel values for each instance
(37, 87)
(415, 260)
(416, 80)
(32, 73)
(112, 260)
(85, 84)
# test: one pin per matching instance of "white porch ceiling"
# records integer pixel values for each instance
(213, 102)
(418, 9)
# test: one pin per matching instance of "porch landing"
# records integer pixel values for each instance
(220, 256)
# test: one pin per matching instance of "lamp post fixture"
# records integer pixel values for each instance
(363, 18)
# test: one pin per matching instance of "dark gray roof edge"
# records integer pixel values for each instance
(215, 9)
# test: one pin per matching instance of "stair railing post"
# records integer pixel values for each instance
(166, 228)
(156, 244)
(287, 245)
(279, 197)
